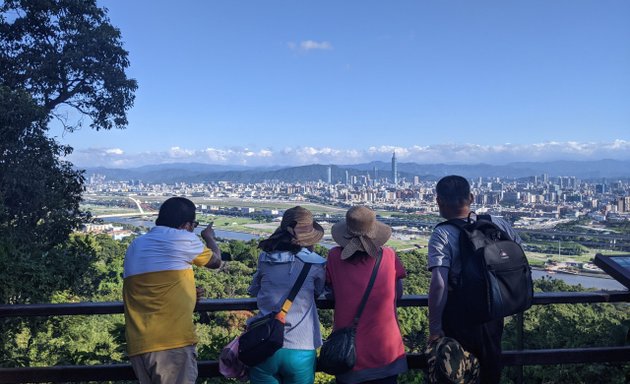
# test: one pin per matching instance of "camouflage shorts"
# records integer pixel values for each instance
(449, 363)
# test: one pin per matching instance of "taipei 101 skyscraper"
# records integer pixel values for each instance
(394, 169)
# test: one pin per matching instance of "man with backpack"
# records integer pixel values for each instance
(477, 329)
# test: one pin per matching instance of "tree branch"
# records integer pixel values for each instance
(64, 95)
(78, 108)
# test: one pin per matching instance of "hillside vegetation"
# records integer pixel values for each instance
(99, 339)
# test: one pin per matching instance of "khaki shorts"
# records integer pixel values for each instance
(178, 365)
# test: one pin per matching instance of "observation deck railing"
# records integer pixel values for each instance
(520, 357)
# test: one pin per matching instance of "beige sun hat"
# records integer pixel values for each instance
(360, 231)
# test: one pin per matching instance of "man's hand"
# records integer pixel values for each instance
(201, 292)
(208, 236)
(208, 232)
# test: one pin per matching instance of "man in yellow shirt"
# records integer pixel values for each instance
(159, 294)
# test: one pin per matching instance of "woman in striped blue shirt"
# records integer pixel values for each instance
(281, 259)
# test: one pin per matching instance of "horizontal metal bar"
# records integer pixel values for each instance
(115, 372)
(67, 373)
(567, 356)
(581, 297)
(85, 308)
(73, 373)
(103, 308)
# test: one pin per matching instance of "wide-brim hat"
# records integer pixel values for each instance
(360, 231)
(298, 222)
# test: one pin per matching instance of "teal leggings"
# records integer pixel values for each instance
(286, 366)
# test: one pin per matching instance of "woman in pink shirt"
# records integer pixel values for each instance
(379, 346)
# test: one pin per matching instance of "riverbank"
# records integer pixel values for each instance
(600, 282)
(598, 275)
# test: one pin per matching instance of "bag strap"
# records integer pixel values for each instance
(461, 223)
(484, 217)
(355, 322)
(293, 293)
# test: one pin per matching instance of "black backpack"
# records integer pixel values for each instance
(496, 279)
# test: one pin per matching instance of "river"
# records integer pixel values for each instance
(584, 281)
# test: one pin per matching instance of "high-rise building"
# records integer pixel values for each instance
(375, 174)
(394, 169)
(623, 204)
(347, 178)
(329, 174)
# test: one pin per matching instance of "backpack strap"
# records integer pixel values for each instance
(484, 217)
(293, 293)
(460, 223)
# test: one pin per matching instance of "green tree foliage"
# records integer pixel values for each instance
(66, 52)
(571, 326)
(414, 322)
(86, 268)
(55, 56)
(39, 202)
(100, 339)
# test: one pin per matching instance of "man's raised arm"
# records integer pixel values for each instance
(208, 236)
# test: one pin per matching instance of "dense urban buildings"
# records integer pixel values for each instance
(536, 197)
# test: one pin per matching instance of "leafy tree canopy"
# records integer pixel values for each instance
(66, 52)
(39, 193)
(54, 55)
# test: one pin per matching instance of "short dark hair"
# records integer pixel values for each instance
(175, 212)
(453, 191)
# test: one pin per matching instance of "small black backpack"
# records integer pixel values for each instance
(496, 279)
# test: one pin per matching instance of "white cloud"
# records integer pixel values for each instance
(429, 154)
(177, 152)
(114, 151)
(310, 45)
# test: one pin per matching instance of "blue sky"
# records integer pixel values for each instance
(281, 82)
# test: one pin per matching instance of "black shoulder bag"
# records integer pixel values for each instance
(266, 335)
(338, 354)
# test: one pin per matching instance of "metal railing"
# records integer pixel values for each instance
(210, 368)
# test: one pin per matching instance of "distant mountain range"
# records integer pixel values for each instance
(197, 172)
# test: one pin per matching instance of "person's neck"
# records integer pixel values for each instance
(460, 214)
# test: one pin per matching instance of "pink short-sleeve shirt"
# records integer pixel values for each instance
(378, 339)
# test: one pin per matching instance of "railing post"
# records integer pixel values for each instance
(520, 344)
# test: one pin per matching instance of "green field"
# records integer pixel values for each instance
(97, 210)
(237, 224)
(272, 204)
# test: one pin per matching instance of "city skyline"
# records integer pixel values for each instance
(327, 82)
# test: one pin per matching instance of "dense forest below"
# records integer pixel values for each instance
(99, 339)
